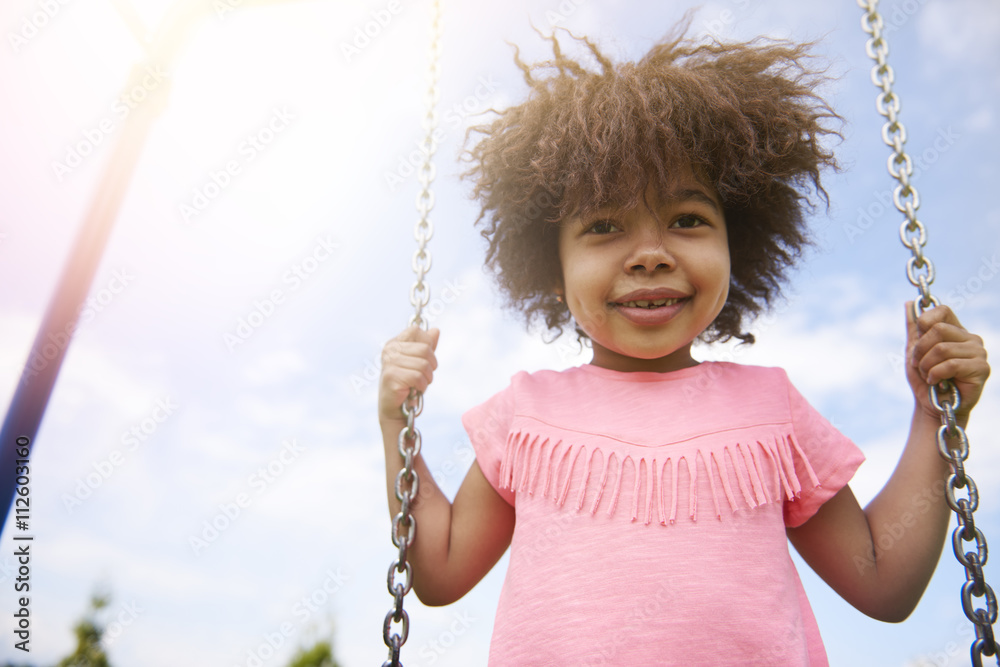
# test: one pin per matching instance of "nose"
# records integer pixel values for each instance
(649, 252)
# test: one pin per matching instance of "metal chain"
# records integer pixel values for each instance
(953, 444)
(404, 526)
(420, 293)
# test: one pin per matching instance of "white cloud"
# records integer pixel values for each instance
(982, 119)
(274, 368)
(832, 343)
(962, 30)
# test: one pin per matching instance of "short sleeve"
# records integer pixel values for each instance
(488, 426)
(831, 455)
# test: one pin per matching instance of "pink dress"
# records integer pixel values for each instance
(651, 512)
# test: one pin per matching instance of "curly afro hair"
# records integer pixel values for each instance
(743, 117)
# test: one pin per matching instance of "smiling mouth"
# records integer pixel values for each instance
(648, 304)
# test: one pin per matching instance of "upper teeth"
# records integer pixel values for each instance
(650, 304)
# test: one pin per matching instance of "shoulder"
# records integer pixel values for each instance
(525, 385)
(741, 392)
(746, 373)
(546, 378)
(728, 377)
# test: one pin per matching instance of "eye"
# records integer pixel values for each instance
(689, 221)
(603, 227)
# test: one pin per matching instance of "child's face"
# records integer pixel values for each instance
(675, 261)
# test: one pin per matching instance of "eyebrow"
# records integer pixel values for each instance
(697, 195)
(686, 194)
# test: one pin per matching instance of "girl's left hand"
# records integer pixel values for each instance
(939, 348)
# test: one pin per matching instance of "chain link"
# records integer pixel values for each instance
(953, 444)
(404, 525)
(420, 293)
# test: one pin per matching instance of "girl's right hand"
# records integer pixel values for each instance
(408, 361)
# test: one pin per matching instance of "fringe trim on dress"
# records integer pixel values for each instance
(757, 472)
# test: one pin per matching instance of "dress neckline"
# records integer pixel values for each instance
(648, 376)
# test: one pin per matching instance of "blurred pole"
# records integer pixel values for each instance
(27, 407)
(61, 319)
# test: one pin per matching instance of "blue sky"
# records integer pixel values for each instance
(306, 239)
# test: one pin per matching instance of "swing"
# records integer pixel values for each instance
(920, 273)
(404, 526)
(953, 444)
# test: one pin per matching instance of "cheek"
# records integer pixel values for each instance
(584, 295)
(721, 263)
(716, 274)
(586, 305)
(725, 278)
(726, 273)
(597, 319)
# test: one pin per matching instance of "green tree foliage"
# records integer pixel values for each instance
(320, 655)
(88, 631)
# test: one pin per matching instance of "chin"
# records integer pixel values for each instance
(647, 354)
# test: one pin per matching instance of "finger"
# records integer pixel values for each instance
(942, 333)
(970, 373)
(400, 380)
(415, 334)
(411, 333)
(936, 315)
(941, 363)
(421, 365)
(912, 331)
(399, 352)
(408, 366)
(429, 336)
(964, 362)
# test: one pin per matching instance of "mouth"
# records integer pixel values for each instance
(650, 307)
(649, 304)
(650, 299)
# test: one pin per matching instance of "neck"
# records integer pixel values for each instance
(612, 360)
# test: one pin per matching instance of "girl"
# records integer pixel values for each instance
(646, 497)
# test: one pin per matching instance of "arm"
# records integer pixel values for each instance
(456, 543)
(881, 559)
